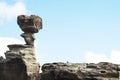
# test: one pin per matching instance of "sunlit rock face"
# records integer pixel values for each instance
(80, 71)
(20, 64)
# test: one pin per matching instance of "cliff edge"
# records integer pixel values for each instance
(80, 71)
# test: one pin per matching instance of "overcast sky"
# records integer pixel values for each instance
(73, 30)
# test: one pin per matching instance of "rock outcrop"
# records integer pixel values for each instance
(29, 25)
(26, 54)
(20, 62)
(83, 71)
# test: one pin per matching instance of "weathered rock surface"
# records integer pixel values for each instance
(29, 24)
(13, 69)
(20, 64)
(77, 71)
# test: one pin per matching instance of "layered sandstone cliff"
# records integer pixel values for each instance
(20, 64)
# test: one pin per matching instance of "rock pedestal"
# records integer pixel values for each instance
(20, 64)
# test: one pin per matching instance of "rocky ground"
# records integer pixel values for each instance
(21, 64)
(80, 71)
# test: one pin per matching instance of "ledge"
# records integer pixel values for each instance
(19, 46)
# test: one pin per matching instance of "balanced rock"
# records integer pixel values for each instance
(20, 62)
(29, 24)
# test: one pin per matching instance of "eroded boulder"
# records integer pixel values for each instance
(29, 24)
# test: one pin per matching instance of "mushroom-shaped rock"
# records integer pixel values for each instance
(29, 24)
